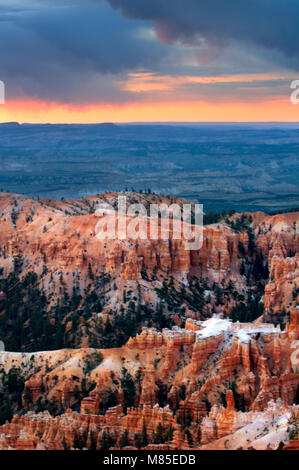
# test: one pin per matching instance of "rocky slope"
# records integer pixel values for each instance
(61, 286)
(161, 358)
(213, 384)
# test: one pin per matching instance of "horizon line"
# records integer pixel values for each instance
(146, 123)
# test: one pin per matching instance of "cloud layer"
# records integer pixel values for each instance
(271, 24)
(70, 52)
(86, 51)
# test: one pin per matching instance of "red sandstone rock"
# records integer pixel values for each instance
(199, 367)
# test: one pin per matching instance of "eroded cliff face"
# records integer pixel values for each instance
(62, 236)
(78, 282)
(201, 386)
(251, 430)
(278, 238)
(159, 361)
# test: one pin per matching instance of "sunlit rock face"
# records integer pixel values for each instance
(202, 382)
(221, 381)
(59, 237)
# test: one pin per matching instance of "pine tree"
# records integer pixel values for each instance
(242, 268)
(124, 439)
(90, 272)
(137, 441)
(92, 441)
(158, 438)
(144, 439)
(27, 396)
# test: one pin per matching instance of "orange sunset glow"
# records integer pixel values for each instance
(199, 111)
(116, 61)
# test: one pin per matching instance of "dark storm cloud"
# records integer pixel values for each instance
(79, 51)
(76, 51)
(270, 24)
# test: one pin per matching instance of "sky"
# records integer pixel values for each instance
(140, 60)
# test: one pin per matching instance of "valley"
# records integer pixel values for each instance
(140, 343)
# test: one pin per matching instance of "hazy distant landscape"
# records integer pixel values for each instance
(241, 167)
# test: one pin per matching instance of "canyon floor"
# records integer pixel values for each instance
(142, 344)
